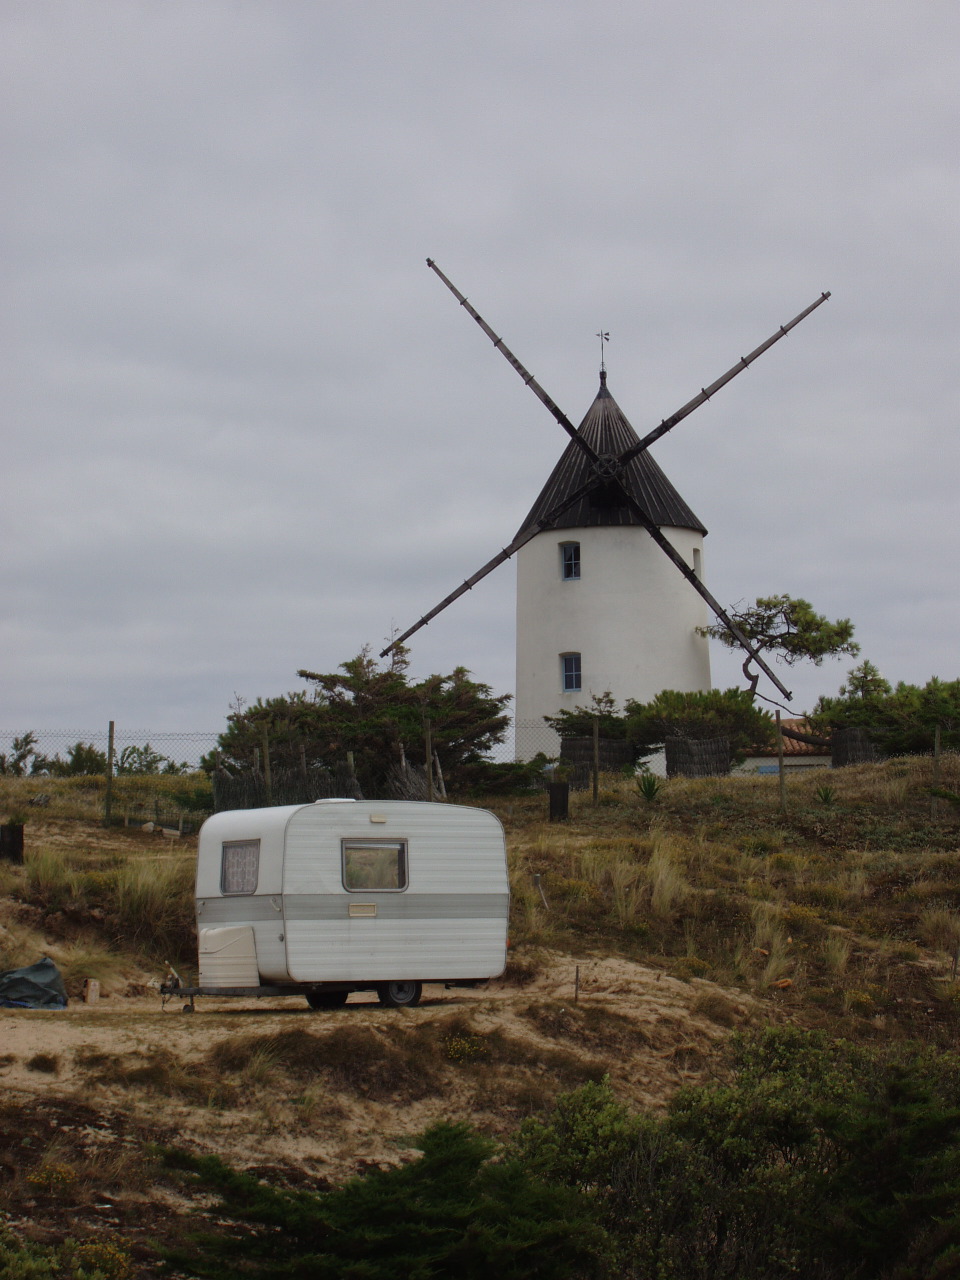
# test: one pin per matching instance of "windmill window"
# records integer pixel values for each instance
(696, 561)
(569, 560)
(570, 666)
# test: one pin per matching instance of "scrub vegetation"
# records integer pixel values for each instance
(791, 1107)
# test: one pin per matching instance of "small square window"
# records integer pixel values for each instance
(569, 560)
(571, 672)
(240, 866)
(374, 865)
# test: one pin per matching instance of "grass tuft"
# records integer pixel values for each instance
(47, 1063)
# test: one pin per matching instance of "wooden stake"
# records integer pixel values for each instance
(428, 748)
(108, 790)
(783, 780)
(934, 802)
(596, 761)
(267, 778)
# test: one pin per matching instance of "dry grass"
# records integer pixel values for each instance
(48, 1063)
(152, 902)
(836, 954)
(827, 906)
(101, 907)
(135, 798)
(940, 928)
(159, 1071)
(668, 884)
(710, 881)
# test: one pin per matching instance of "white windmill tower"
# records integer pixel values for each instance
(597, 608)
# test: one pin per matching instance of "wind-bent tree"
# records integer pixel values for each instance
(788, 628)
(375, 713)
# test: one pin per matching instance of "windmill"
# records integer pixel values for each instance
(603, 611)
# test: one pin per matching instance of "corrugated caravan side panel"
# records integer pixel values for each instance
(449, 922)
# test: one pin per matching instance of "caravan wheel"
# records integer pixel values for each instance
(327, 999)
(398, 995)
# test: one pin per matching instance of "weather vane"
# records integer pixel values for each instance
(604, 336)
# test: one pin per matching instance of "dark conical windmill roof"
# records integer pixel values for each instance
(606, 429)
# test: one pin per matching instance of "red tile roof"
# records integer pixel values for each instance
(790, 745)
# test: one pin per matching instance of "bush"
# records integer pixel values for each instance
(453, 1212)
(817, 1154)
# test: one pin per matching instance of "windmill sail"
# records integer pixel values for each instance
(606, 476)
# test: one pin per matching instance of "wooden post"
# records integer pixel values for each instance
(354, 785)
(596, 761)
(428, 749)
(783, 780)
(934, 802)
(108, 790)
(267, 778)
(440, 782)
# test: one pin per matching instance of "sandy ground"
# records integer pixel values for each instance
(649, 1032)
(665, 1033)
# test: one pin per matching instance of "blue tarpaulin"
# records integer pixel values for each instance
(37, 986)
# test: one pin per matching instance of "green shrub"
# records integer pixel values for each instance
(453, 1212)
(816, 1153)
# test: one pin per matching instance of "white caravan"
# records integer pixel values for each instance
(342, 895)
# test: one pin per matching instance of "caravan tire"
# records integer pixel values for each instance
(327, 999)
(399, 995)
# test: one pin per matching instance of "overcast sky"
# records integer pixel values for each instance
(246, 430)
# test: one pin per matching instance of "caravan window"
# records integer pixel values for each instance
(374, 864)
(240, 866)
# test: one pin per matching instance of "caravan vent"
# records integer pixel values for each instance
(365, 910)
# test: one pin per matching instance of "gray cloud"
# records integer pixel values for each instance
(246, 431)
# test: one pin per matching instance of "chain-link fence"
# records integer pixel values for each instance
(134, 750)
(139, 754)
(164, 750)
